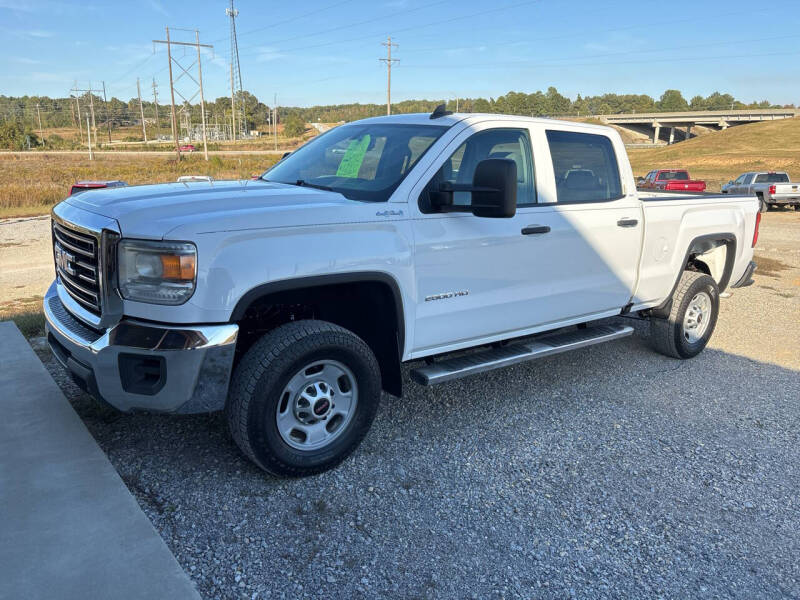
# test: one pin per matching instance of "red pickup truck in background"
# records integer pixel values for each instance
(672, 180)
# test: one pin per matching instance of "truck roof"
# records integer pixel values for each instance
(451, 119)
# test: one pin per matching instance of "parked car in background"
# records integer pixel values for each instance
(291, 302)
(187, 148)
(672, 180)
(772, 188)
(82, 186)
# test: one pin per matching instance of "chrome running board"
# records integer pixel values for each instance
(517, 352)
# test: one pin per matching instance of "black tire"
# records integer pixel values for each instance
(667, 334)
(266, 369)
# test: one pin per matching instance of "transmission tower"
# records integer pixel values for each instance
(237, 105)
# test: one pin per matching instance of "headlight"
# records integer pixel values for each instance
(157, 272)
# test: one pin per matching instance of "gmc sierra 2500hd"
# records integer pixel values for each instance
(291, 301)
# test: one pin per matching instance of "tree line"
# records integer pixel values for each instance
(19, 116)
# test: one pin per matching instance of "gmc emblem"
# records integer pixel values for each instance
(64, 260)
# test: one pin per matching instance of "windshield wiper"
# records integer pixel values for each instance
(302, 183)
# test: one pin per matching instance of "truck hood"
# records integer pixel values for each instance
(154, 211)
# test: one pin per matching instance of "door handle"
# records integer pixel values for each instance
(533, 229)
(628, 222)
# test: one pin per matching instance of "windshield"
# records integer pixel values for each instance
(772, 178)
(674, 175)
(361, 162)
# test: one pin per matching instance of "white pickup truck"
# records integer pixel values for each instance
(470, 241)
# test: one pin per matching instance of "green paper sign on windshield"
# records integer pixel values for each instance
(353, 157)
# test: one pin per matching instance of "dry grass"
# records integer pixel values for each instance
(722, 156)
(31, 183)
(26, 313)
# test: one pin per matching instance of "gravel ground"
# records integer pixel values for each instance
(605, 473)
(26, 259)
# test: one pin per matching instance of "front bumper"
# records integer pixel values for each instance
(142, 366)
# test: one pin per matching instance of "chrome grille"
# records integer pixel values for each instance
(77, 259)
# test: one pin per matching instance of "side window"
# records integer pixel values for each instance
(585, 167)
(459, 168)
(748, 179)
(739, 179)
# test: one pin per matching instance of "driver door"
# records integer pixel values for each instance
(473, 274)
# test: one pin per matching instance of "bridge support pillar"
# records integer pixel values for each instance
(723, 125)
(689, 132)
(671, 135)
(656, 132)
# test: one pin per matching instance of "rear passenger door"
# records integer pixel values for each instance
(589, 259)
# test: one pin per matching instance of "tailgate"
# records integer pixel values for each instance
(787, 188)
(691, 186)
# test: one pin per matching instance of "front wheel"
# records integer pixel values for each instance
(686, 329)
(303, 398)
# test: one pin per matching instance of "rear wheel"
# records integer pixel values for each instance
(303, 397)
(684, 331)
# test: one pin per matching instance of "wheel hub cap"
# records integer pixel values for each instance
(316, 405)
(697, 317)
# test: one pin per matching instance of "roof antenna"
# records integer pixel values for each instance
(440, 111)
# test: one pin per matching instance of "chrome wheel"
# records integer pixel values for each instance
(697, 317)
(317, 404)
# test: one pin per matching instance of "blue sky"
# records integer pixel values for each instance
(327, 51)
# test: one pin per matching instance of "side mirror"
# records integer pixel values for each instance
(730, 182)
(494, 189)
(285, 154)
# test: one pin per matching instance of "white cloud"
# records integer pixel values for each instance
(38, 33)
(25, 61)
(267, 53)
(158, 7)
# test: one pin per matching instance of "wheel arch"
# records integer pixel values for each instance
(368, 303)
(693, 260)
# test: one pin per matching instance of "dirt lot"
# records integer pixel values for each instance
(609, 472)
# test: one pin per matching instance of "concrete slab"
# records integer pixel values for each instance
(69, 528)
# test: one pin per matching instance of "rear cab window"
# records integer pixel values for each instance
(772, 178)
(585, 167)
(673, 176)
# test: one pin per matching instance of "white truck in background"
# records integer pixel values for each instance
(291, 301)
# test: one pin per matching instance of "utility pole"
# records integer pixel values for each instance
(72, 110)
(184, 71)
(155, 105)
(91, 107)
(141, 110)
(78, 104)
(90, 91)
(89, 133)
(275, 119)
(39, 116)
(233, 108)
(202, 101)
(108, 118)
(389, 60)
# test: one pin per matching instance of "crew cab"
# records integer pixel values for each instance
(672, 180)
(772, 188)
(459, 242)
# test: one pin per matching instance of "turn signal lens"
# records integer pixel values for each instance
(177, 267)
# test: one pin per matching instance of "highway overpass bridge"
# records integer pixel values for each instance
(670, 123)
